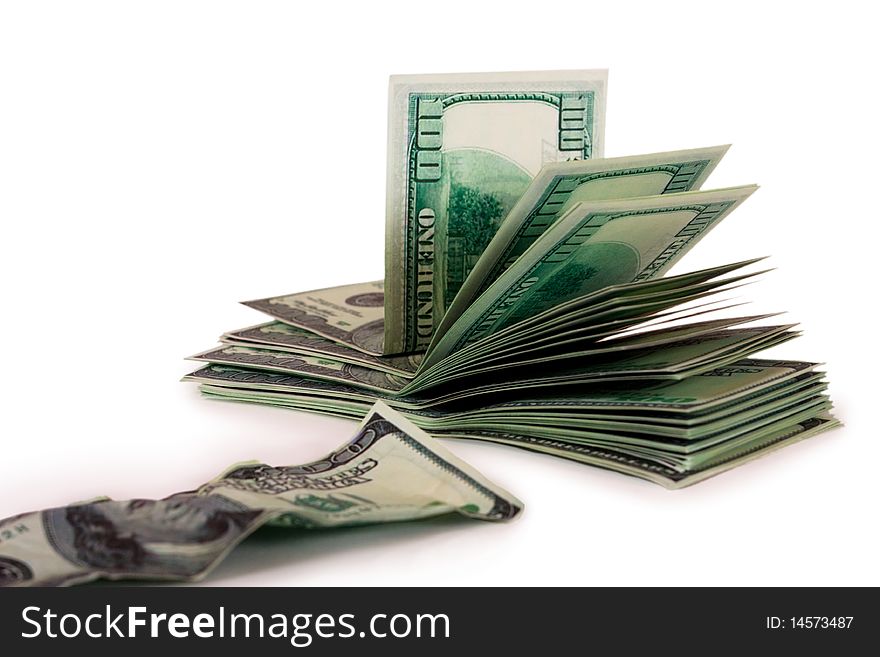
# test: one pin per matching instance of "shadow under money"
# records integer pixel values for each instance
(271, 548)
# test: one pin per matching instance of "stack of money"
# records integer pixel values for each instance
(525, 301)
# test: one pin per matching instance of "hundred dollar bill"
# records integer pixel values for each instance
(390, 471)
(461, 151)
(284, 337)
(318, 367)
(559, 186)
(350, 314)
(592, 246)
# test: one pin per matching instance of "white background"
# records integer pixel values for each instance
(160, 161)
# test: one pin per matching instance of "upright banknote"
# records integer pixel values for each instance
(462, 150)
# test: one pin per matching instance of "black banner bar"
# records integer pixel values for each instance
(680, 621)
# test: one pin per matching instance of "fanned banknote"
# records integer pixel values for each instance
(390, 471)
(590, 247)
(560, 186)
